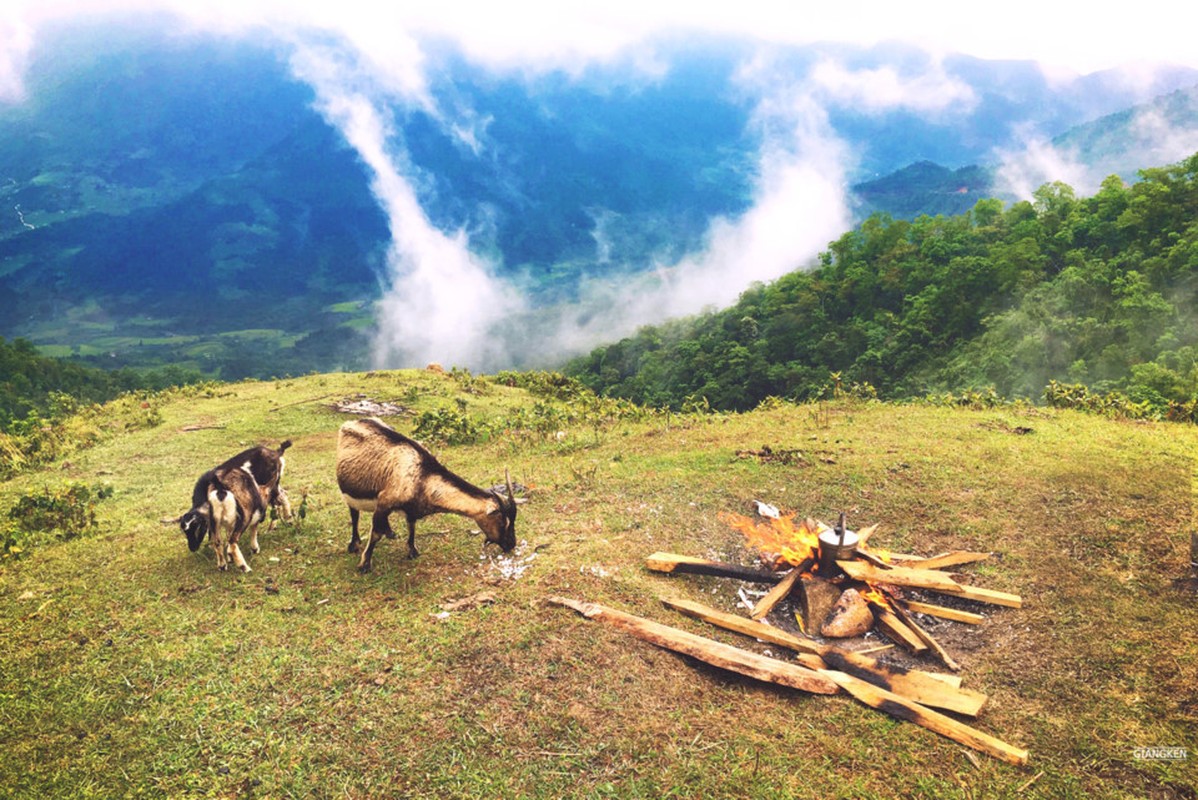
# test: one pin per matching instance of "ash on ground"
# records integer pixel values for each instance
(507, 566)
(363, 406)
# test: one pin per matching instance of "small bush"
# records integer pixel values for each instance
(450, 426)
(66, 512)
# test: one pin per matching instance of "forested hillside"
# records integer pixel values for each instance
(30, 382)
(1097, 290)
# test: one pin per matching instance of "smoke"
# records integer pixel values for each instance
(1154, 136)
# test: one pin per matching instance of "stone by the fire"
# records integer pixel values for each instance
(849, 617)
(816, 599)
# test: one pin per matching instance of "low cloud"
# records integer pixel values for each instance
(886, 89)
(16, 42)
(1024, 170)
(439, 300)
(799, 206)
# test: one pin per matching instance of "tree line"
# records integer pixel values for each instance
(1096, 290)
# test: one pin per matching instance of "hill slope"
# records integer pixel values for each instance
(131, 665)
(1098, 290)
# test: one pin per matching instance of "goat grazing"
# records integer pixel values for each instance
(379, 470)
(225, 500)
(264, 468)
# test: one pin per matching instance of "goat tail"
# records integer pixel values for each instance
(286, 443)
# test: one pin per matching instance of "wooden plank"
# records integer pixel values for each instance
(869, 557)
(708, 651)
(952, 559)
(902, 708)
(897, 630)
(674, 563)
(864, 534)
(925, 637)
(781, 590)
(927, 688)
(984, 596)
(899, 576)
(956, 615)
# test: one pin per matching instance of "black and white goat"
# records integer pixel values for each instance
(379, 470)
(225, 504)
(266, 465)
(264, 469)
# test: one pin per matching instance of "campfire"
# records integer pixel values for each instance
(840, 587)
(844, 587)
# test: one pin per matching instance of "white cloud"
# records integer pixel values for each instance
(799, 205)
(1023, 171)
(885, 89)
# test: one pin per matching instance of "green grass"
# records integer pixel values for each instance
(130, 666)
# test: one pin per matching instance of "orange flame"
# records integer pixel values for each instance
(780, 540)
(872, 595)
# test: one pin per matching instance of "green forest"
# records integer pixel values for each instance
(1097, 291)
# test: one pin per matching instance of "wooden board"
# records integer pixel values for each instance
(954, 614)
(927, 688)
(899, 576)
(953, 559)
(674, 563)
(984, 596)
(902, 708)
(706, 650)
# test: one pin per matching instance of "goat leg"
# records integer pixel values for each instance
(355, 541)
(235, 554)
(217, 548)
(379, 527)
(412, 552)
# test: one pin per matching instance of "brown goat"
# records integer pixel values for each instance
(379, 470)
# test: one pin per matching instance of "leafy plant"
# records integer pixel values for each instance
(65, 512)
(450, 426)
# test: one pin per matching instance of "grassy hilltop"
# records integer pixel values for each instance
(130, 666)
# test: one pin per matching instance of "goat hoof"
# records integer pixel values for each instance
(353, 548)
(412, 553)
(363, 569)
(246, 568)
(255, 550)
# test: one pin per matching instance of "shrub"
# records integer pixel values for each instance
(66, 512)
(450, 426)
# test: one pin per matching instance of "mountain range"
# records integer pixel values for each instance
(193, 200)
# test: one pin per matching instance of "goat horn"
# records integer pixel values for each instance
(511, 495)
(169, 521)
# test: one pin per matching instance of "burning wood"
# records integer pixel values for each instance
(780, 591)
(892, 625)
(849, 617)
(831, 562)
(924, 636)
